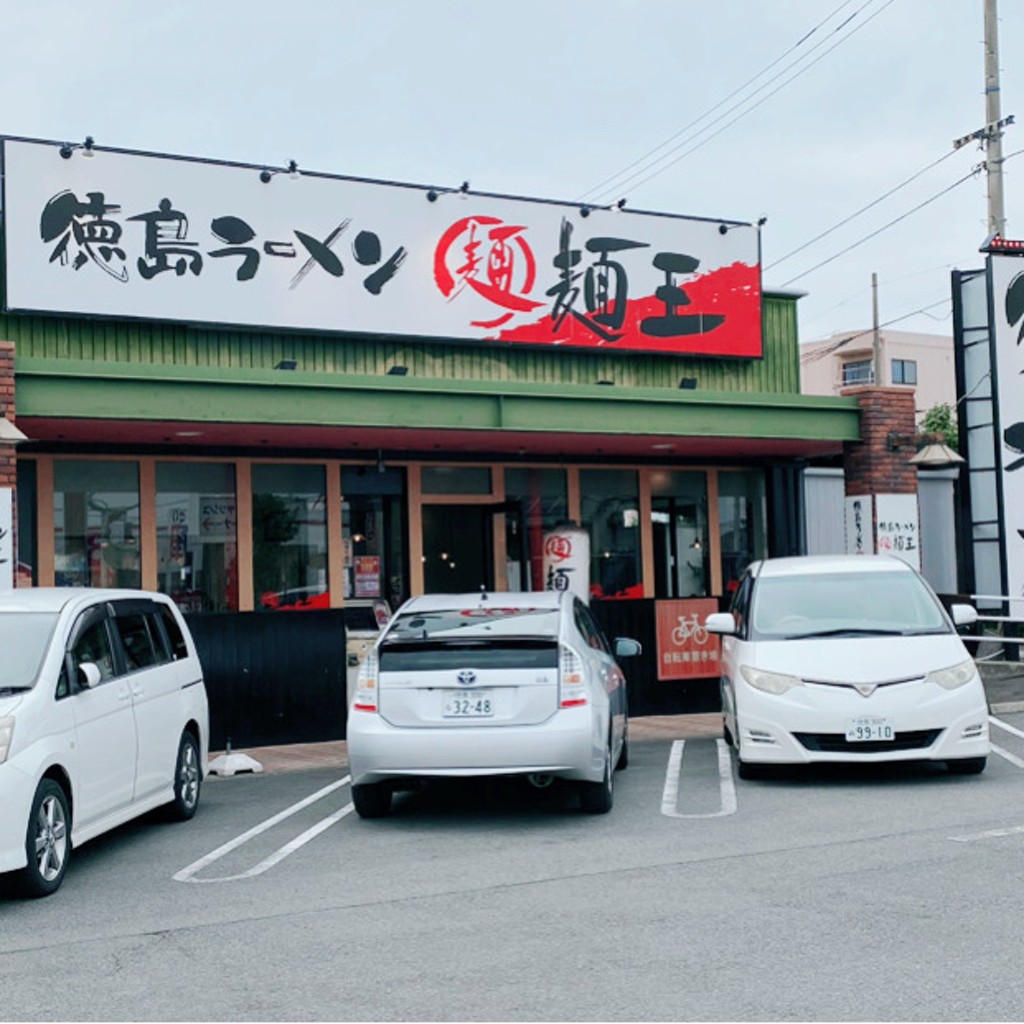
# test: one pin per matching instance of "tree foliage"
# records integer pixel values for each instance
(941, 419)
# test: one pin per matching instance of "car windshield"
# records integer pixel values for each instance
(24, 637)
(844, 604)
(461, 623)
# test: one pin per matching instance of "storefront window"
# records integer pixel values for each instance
(743, 522)
(96, 524)
(455, 480)
(610, 503)
(537, 502)
(373, 534)
(27, 569)
(196, 535)
(679, 524)
(289, 537)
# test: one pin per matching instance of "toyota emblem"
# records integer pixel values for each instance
(467, 677)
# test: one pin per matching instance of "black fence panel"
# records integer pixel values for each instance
(649, 695)
(273, 678)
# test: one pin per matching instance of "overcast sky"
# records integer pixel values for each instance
(552, 98)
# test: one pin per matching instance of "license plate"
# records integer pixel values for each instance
(869, 730)
(478, 704)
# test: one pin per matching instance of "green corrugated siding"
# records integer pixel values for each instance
(112, 341)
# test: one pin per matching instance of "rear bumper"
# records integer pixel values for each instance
(567, 745)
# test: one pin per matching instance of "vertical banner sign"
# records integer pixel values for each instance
(859, 525)
(1007, 278)
(898, 530)
(567, 561)
(6, 539)
(686, 650)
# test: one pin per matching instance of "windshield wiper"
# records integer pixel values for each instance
(6, 691)
(846, 631)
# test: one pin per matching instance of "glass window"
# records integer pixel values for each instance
(904, 371)
(93, 647)
(139, 650)
(174, 634)
(373, 535)
(28, 559)
(24, 639)
(196, 535)
(679, 517)
(858, 371)
(742, 522)
(455, 480)
(96, 524)
(537, 503)
(610, 502)
(289, 537)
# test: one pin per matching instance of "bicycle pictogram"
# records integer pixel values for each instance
(689, 628)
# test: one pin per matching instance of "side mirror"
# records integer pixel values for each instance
(627, 648)
(89, 675)
(963, 614)
(720, 622)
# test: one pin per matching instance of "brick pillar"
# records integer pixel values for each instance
(873, 468)
(8, 469)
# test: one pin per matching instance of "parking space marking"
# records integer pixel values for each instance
(1005, 754)
(727, 787)
(992, 833)
(188, 874)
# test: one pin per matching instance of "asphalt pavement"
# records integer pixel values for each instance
(1004, 688)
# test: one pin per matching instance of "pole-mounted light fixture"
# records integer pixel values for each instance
(932, 450)
(86, 147)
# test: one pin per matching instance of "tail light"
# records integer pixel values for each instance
(571, 679)
(366, 683)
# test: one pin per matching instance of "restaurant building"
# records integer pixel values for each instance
(265, 390)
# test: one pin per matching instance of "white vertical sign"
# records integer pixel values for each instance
(859, 525)
(899, 532)
(6, 539)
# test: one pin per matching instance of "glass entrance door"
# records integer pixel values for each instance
(457, 548)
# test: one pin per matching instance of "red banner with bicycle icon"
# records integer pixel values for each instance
(686, 650)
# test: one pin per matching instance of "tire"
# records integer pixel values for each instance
(597, 797)
(967, 765)
(372, 800)
(729, 741)
(188, 779)
(47, 841)
(746, 770)
(623, 761)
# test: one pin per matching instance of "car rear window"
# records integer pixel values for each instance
(476, 622)
(439, 654)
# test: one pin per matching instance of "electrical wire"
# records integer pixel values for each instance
(635, 180)
(750, 81)
(885, 227)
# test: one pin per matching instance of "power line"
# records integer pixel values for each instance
(635, 181)
(863, 209)
(750, 81)
(938, 195)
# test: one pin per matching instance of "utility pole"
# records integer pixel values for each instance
(994, 142)
(876, 338)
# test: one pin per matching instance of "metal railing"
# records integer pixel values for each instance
(999, 632)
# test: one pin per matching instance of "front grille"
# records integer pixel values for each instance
(837, 743)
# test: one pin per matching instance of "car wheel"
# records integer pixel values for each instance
(729, 741)
(188, 778)
(623, 761)
(372, 800)
(47, 841)
(597, 797)
(967, 765)
(746, 770)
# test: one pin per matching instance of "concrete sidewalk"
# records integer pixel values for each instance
(1004, 688)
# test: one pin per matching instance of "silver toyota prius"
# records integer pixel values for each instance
(465, 685)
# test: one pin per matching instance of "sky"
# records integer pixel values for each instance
(803, 112)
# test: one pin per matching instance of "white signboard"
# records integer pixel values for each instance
(567, 561)
(898, 527)
(132, 235)
(6, 539)
(860, 538)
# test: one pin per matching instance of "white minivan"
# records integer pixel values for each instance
(103, 716)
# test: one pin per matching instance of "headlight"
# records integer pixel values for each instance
(951, 678)
(6, 733)
(770, 682)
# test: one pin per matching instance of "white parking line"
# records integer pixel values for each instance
(188, 874)
(670, 794)
(992, 833)
(1005, 754)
